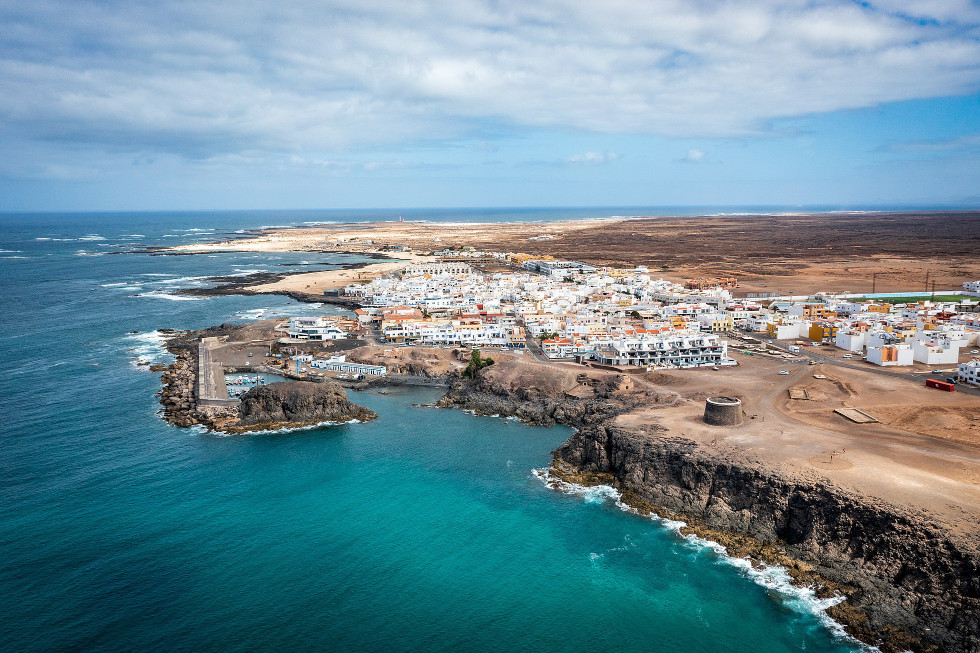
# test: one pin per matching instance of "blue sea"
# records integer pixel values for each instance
(425, 529)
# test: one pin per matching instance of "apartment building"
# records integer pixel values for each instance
(665, 351)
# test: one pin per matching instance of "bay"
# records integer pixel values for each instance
(423, 529)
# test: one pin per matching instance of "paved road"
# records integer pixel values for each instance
(211, 376)
(534, 348)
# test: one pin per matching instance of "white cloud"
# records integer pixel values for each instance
(204, 79)
(694, 156)
(592, 158)
(965, 142)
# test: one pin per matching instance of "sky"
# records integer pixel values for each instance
(262, 104)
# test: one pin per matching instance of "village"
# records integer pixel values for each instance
(570, 311)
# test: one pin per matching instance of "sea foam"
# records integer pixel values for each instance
(774, 578)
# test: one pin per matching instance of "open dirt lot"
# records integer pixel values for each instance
(924, 452)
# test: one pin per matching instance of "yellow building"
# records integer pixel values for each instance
(817, 311)
(823, 331)
(721, 323)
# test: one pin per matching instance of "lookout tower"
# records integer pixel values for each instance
(723, 411)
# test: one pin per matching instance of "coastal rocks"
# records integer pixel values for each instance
(177, 394)
(910, 585)
(541, 403)
(295, 404)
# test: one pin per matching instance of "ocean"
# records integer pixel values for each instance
(425, 529)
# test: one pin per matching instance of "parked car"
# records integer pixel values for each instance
(784, 372)
(937, 371)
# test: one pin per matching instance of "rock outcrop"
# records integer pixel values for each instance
(590, 402)
(294, 404)
(910, 584)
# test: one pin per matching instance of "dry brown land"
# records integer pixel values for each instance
(924, 453)
(791, 254)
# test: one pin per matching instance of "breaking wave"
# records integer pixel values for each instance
(774, 578)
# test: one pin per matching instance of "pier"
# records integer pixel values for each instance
(211, 389)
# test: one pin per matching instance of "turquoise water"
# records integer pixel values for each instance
(422, 530)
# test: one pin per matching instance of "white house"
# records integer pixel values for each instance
(969, 372)
(888, 355)
(851, 340)
(665, 351)
(935, 351)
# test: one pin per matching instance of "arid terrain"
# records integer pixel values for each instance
(789, 254)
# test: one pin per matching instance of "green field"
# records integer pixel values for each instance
(906, 299)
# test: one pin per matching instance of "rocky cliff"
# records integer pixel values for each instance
(294, 404)
(910, 583)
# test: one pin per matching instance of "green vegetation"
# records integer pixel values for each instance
(477, 363)
(911, 299)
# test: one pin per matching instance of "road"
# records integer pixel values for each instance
(812, 354)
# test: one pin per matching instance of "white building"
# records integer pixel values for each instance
(851, 340)
(969, 372)
(972, 287)
(936, 351)
(314, 328)
(788, 330)
(340, 364)
(665, 351)
(889, 355)
(417, 269)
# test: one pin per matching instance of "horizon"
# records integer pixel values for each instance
(750, 209)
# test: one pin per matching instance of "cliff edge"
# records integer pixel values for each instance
(910, 583)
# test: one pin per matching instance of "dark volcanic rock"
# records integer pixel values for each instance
(910, 584)
(541, 407)
(297, 403)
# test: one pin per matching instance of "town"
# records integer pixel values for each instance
(571, 311)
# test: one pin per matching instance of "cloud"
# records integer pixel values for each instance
(960, 143)
(592, 158)
(205, 79)
(693, 156)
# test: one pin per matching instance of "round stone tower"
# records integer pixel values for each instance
(723, 411)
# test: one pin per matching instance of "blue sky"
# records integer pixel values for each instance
(212, 104)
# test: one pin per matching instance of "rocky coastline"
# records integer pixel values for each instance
(908, 583)
(285, 405)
